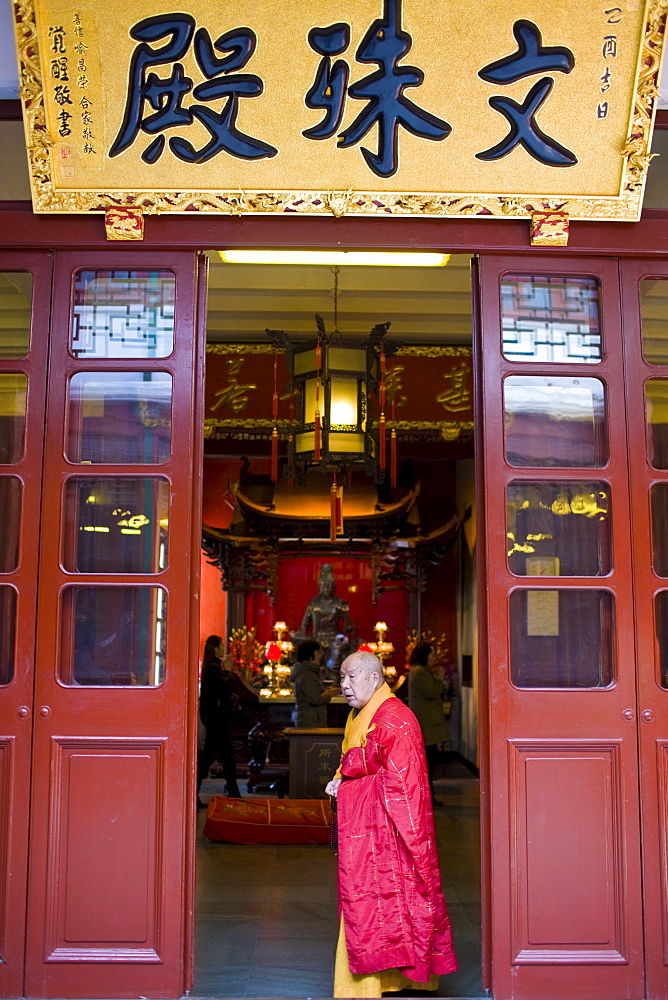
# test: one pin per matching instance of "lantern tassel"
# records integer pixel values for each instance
(335, 511)
(381, 441)
(274, 455)
(316, 437)
(393, 458)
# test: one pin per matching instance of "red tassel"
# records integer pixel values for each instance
(274, 402)
(393, 458)
(274, 455)
(335, 511)
(381, 441)
(291, 461)
(316, 437)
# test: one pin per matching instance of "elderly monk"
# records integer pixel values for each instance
(394, 933)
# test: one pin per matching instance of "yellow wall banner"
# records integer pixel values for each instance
(371, 107)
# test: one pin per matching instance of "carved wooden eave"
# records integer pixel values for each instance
(371, 520)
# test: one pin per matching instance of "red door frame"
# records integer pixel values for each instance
(585, 729)
(16, 698)
(652, 697)
(81, 732)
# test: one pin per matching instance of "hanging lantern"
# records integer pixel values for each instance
(332, 383)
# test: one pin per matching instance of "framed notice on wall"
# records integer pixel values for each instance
(371, 107)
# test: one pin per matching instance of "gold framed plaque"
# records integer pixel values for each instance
(343, 107)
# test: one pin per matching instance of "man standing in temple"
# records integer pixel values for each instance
(311, 695)
(394, 932)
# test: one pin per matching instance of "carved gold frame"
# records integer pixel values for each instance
(626, 206)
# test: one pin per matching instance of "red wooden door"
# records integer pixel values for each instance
(566, 895)
(109, 880)
(25, 288)
(645, 312)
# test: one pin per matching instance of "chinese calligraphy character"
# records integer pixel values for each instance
(393, 386)
(64, 128)
(602, 109)
(605, 80)
(530, 58)
(57, 35)
(234, 395)
(614, 15)
(61, 95)
(329, 87)
(165, 95)
(457, 396)
(59, 68)
(384, 44)
(610, 46)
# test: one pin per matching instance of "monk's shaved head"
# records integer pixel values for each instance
(365, 661)
(361, 676)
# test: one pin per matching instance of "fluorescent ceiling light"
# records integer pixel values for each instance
(335, 257)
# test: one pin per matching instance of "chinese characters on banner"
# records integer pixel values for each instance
(384, 96)
(239, 388)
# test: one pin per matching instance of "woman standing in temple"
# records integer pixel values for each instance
(215, 711)
(426, 688)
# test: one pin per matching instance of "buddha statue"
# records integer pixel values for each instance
(327, 616)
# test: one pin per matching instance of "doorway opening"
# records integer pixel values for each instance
(266, 915)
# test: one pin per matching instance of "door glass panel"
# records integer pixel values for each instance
(661, 625)
(7, 633)
(15, 310)
(659, 505)
(654, 320)
(554, 422)
(656, 416)
(116, 525)
(113, 636)
(120, 417)
(551, 318)
(561, 638)
(123, 314)
(10, 522)
(13, 397)
(559, 528)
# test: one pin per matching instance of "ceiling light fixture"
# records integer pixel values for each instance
(366, 258)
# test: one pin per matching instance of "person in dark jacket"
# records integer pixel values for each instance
(311, 695)
(215, 711)
(426, 688)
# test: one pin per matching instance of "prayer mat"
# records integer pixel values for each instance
(268, 821)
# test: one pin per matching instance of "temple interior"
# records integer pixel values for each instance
(403, 556)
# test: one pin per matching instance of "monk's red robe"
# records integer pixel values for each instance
(390, 890)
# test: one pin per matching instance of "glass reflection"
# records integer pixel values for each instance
(120, 417)
(7, 633)
(13, 399)
(15, 312)
(123, 314)
(554, 422)
(551, 318)
(654, 320)
(10, 522)
(661, 624)
(117, 525)
(659, 507)
(561, 638)
(656, 417)
(559, 528)
(113, 636)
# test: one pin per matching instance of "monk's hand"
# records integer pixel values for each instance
(333, 787)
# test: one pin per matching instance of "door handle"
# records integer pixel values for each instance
(647, 715)
(23, 712)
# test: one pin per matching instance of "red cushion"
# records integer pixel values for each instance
(268, 821)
